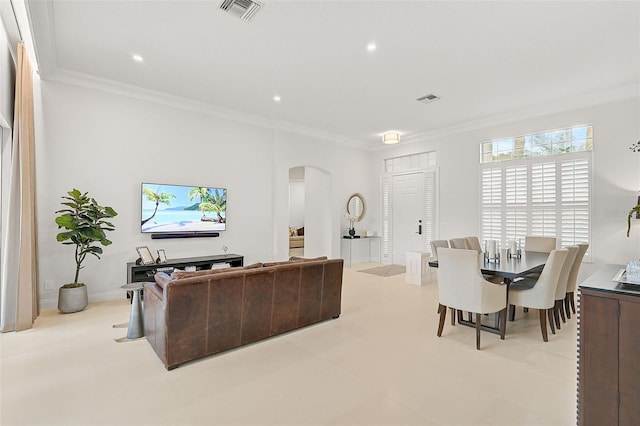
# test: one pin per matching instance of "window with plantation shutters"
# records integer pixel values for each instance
(516, 197)
(429, 221)
(538, 184)
(575, 218)
(492, 203)
(386, 218)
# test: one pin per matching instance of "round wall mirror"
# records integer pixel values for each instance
(356, 207)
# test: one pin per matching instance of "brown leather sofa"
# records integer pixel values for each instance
(190, 315)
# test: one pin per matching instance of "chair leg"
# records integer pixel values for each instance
(478, 320)
(512, 312)
(561, 309)
(556, 316)
(551, 320)
(503, 323)
(572, 302)
(443, 316)
(543, 325)
(525, 310)
(566, 306)
(453, 316)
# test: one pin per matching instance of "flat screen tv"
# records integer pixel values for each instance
(182, 209)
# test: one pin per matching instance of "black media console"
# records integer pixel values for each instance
(141, 273)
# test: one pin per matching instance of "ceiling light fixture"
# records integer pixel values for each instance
(371, 47)
(391, 138)
(137, 58)
(277, 98)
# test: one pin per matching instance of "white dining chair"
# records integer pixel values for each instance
(561, 289)
(539, 244)
(461, 287)
(458, 243)
(473, 243)
(435, 245)
(572, 282)
(540, 294)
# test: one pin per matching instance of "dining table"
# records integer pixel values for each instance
(509, 268)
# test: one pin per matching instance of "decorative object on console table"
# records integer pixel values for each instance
(162, 256)
(145, 257)
(356, 209)
(85, 224)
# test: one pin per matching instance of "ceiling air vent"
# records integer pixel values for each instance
(428, 98)
(243, 9)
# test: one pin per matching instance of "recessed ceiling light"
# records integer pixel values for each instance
(371, 47)
(137, 58)
(277, 98)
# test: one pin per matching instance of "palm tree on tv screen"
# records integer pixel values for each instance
(204, 197)
(210, 202)
(157, 197)
(219, 204)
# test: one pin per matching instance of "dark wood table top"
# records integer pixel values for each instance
(513, 268)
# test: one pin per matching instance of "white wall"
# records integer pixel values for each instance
(616, 174)
(296, 203)
(108, 144)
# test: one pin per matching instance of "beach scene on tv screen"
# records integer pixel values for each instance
(176, 208)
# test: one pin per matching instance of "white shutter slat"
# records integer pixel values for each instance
(386, 209)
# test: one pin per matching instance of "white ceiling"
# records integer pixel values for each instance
(484, 59)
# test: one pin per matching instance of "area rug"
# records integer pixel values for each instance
(385, 271)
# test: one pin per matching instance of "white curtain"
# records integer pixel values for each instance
(19, 281)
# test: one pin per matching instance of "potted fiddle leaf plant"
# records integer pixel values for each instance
(84, 224)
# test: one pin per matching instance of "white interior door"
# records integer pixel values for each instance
(406, 212)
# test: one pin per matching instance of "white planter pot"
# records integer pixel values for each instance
(72, 299)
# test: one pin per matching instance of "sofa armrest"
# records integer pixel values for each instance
(155, 329)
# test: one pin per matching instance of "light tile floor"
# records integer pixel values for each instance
(380, 363)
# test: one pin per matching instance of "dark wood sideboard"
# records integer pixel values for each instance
(142, 273)
(608, 351)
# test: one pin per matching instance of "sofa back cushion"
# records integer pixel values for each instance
(294, 259)
(185, 274)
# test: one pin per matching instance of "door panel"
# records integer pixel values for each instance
(407, 209)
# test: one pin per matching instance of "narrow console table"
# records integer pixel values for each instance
(142, 273)
(608, 342)
(352, 250)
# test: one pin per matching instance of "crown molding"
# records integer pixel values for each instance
(583, 101)
(319, 134)
(77, 79)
